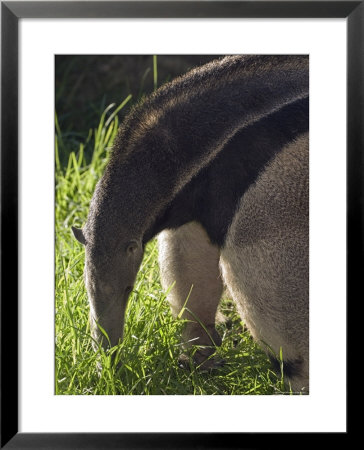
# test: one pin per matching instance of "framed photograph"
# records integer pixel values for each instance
(53, 57)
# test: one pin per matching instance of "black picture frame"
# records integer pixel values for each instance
(11, 12)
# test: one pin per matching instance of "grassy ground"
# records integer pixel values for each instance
(151, 347)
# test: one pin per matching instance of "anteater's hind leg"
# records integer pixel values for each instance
(188, 259)
(265, 260)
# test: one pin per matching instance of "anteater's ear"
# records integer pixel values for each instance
(78, 234)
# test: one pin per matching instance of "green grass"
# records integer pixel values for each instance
(151, 346)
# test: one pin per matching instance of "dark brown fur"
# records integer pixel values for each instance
(195, 144)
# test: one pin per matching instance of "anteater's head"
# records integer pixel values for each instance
(109, 278)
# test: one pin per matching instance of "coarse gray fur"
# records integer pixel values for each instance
(162, 147)
(265, 259)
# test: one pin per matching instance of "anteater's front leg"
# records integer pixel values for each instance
(189, 260)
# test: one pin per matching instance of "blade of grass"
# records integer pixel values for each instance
(155, 72)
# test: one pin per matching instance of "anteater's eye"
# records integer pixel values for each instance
(128, 289)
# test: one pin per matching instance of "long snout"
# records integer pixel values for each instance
(107, 331)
